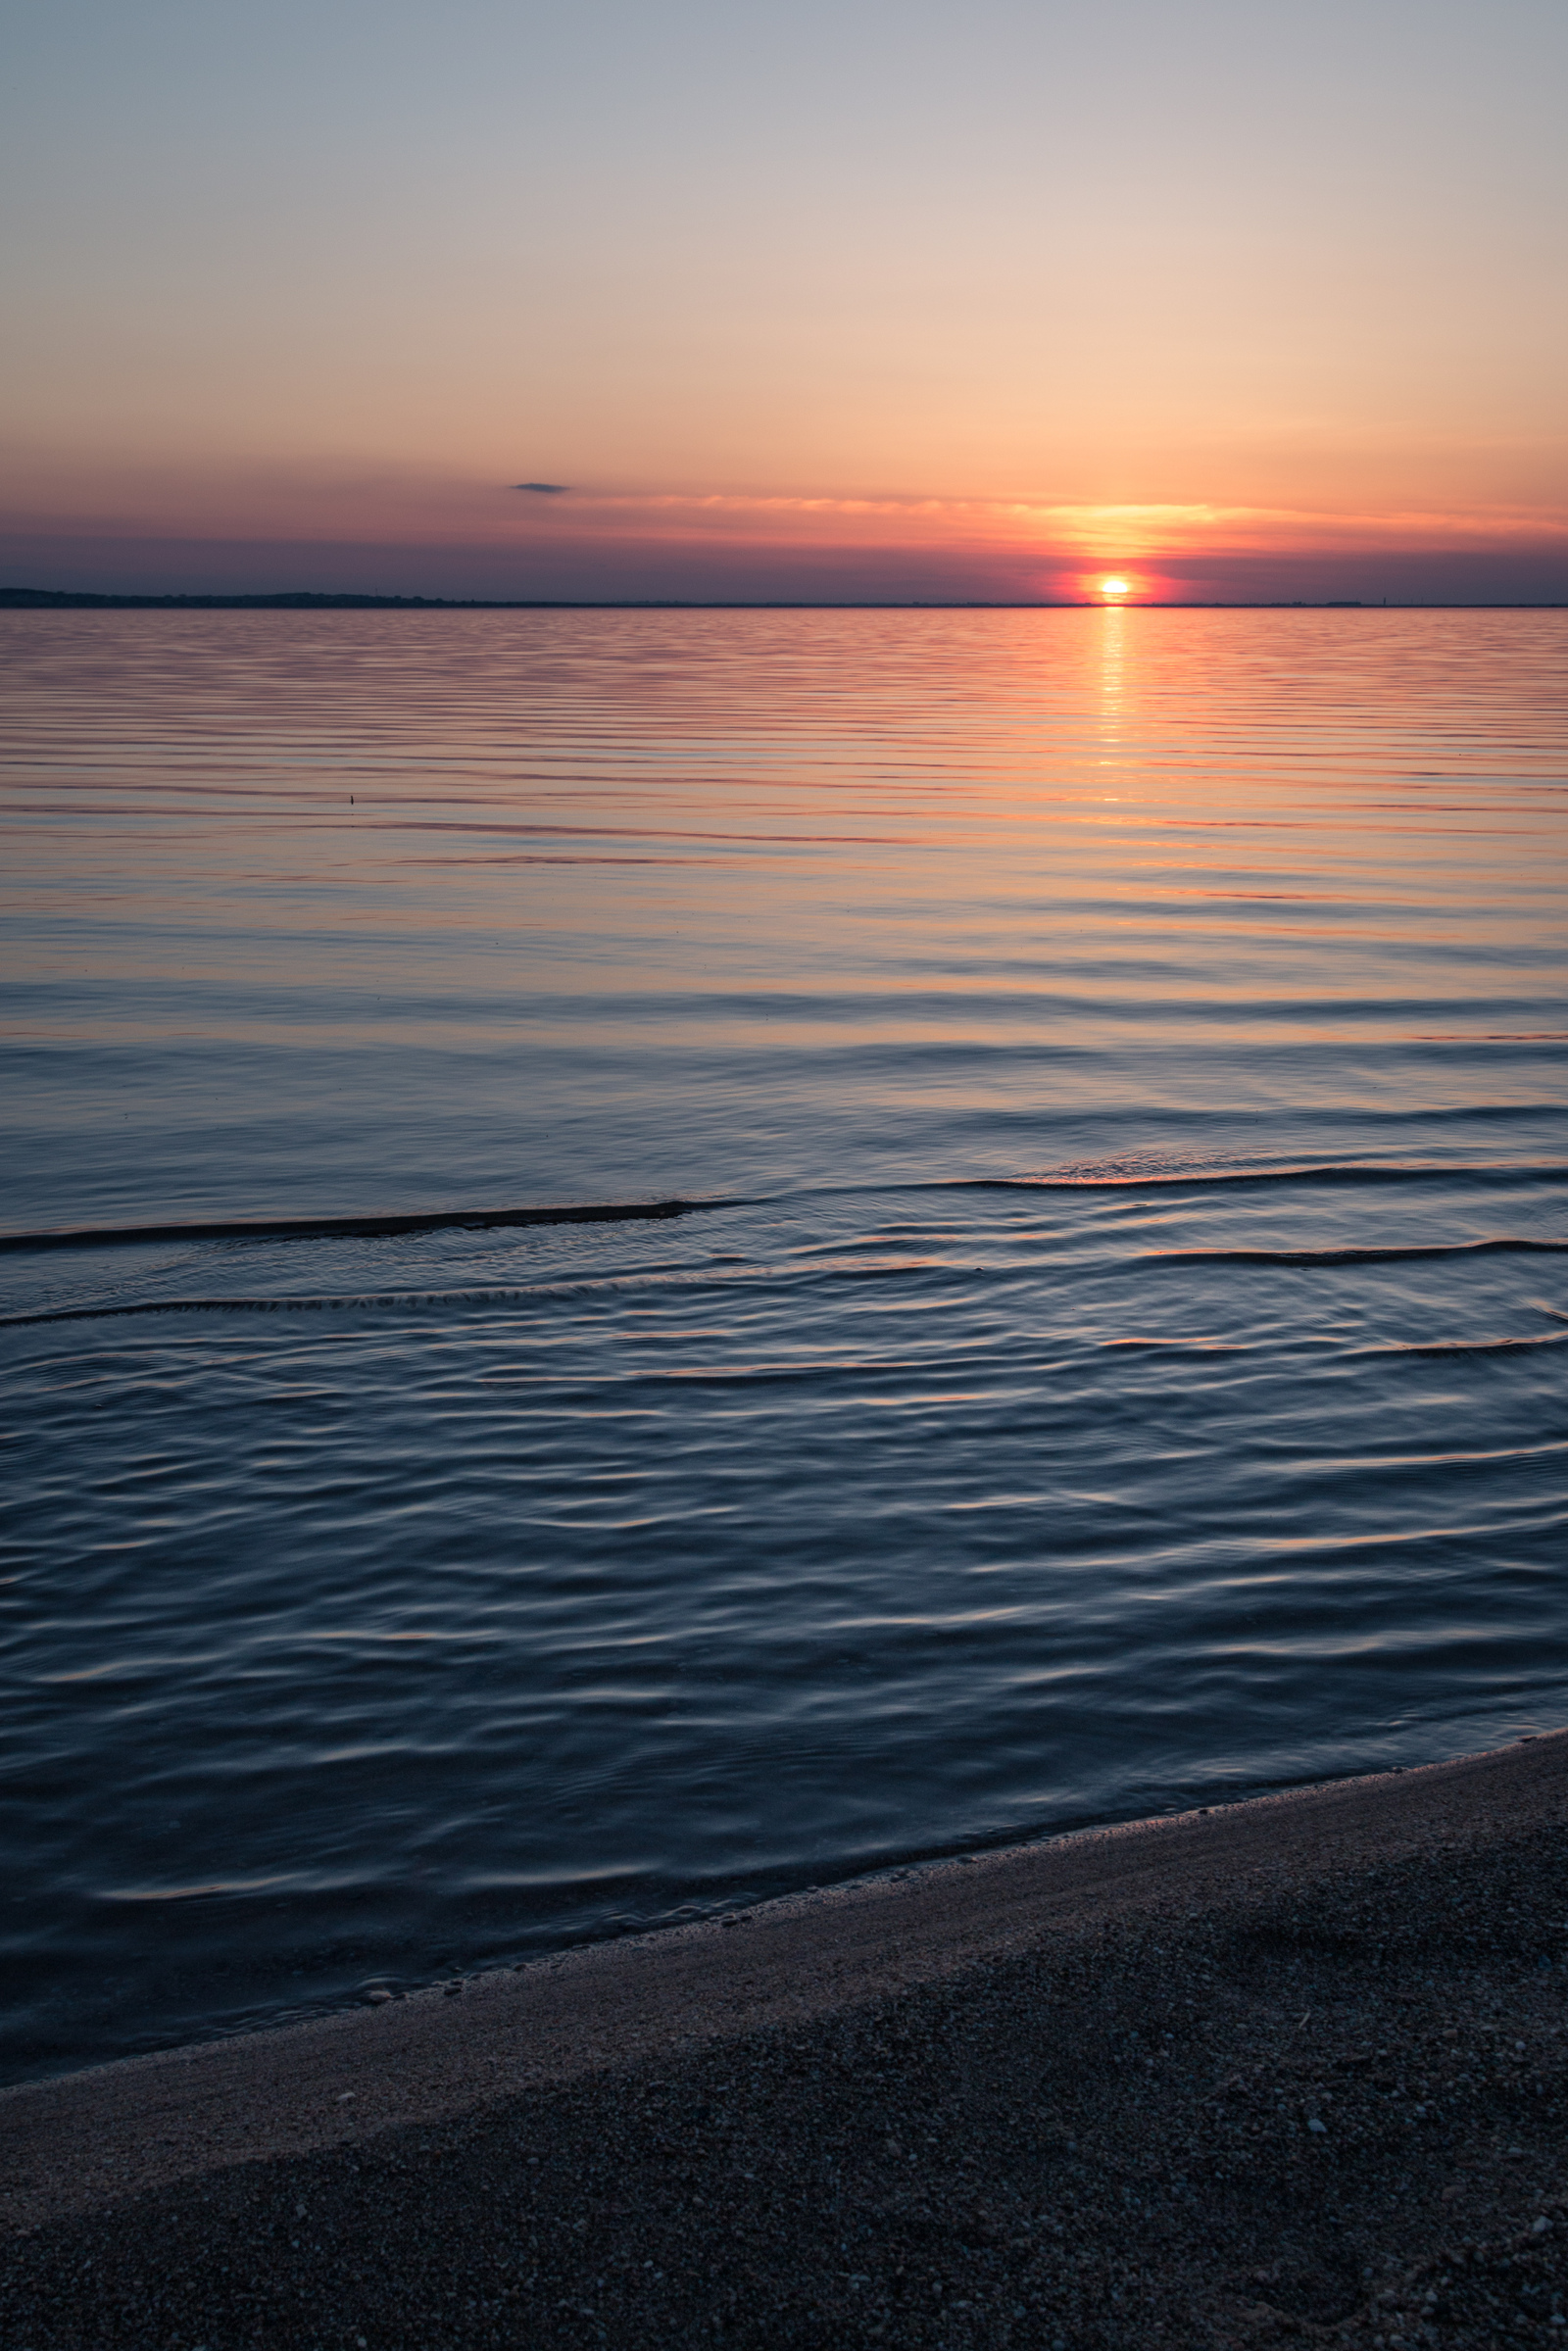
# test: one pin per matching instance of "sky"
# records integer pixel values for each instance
(1214, 299)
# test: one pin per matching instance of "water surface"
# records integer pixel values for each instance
(1115, 1359)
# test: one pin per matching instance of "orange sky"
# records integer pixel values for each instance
(862, 301)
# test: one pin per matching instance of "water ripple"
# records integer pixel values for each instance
(818, 1464)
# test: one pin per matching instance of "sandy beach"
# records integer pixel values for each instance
(1291, 2068)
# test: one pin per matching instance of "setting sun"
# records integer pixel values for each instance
(1114, 587)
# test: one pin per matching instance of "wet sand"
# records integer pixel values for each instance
(1200, 2079)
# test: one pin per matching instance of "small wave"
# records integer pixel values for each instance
(1471, 1347)
(349, 1302)
(1503, 1244)
(371, 1225)
(1121, 1179)
(365, 1227)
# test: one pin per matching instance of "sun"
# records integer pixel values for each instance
(1115, 587)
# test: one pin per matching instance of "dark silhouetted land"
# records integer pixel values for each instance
(72, 600)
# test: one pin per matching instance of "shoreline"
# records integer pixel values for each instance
(418, 2059)
(995, 2014)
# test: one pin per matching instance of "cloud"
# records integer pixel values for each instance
(544, 489)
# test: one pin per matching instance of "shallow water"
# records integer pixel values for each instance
(1116, 1358)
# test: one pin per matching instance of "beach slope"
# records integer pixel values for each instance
(1290, 2067)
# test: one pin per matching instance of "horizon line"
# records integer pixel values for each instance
(20, 598)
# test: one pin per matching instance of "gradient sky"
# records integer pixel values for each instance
(872, 299)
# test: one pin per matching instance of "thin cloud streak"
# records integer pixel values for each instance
(1135, 529)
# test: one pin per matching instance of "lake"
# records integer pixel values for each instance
(1109, 1356)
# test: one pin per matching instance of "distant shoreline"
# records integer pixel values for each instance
(73, 599)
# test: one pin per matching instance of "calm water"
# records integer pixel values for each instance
(1123, 1367)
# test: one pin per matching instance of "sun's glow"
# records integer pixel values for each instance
(1114, 587)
